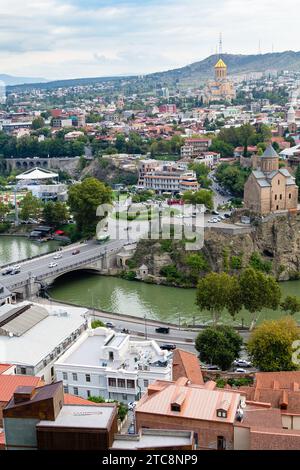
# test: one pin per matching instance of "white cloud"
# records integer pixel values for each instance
(69, 38)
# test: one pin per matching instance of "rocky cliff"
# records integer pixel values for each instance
(276, 239)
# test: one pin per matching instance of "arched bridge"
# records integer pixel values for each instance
(37, 272)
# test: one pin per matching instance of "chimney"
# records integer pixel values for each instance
(23, 394)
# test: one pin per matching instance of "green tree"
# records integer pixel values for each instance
(258, 291)
(55, 213)
(84, 199)
(290, 305)
(271, 345)
(38, 123)
(219, 345)
(203, 196)
(97, 324)
(4, 210)
(30, 207)
(217, 293)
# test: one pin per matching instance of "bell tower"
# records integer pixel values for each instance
(220, 70)
(269, 160)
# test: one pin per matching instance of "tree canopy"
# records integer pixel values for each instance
(271, 345)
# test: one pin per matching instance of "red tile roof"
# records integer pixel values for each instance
(186, 364)
(4, 367)
(9, 383)
(74, 400)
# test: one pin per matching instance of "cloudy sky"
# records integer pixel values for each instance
(83, 38)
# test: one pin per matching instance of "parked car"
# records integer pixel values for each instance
(109, 325)
(168, 347)
(163, 329)
(242, 363)
(212, 367)
(125, 330)
(52, 265)
(58, 256)
(227, 216)
(239, 370)
(215, 213)
(76, 252)
(131, 429)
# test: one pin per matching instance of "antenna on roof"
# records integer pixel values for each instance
(220, 45)
(259, 47)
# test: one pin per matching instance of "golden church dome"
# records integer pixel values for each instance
(220, 64)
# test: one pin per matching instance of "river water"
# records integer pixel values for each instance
(15, 249)
(139, 299)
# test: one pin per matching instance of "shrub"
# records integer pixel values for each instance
(97, 324)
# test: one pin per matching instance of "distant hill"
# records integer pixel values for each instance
(9, 80)
(237, 65)
(193, 73)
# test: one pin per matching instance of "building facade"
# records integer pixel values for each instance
(111, 365)
(221, 88)
(270, 189)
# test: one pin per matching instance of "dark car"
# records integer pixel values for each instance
(163, 329)
(76, 252)
(168, 347)
(109, 325)
(7, 271)
(15, 271)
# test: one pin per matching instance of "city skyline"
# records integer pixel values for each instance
(71, 38)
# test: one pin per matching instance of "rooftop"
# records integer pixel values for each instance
(43, 337)
(82, 416)
(186, 364)
(9, 383)
(196, 402)
(153, 439)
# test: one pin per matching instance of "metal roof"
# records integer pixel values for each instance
(25, 321)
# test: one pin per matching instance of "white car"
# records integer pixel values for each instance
(240, 371)
(52, 265)
(58, 256)
(16, 267)
(242, 363)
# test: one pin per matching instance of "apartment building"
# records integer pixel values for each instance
(194, 147)
(112, 365)
(167, 177)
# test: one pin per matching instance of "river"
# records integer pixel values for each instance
(139, 299)
(15, 249)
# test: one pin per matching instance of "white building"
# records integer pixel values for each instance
(5, 296)
(34, 336)
(167, 177)
(43, 184)
(111, 365)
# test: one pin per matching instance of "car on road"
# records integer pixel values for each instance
(16, 266)
(52, 265)
(212, 367)
(76, 252)
(242, 363)
(109, 325)
(7, 271)
(227, 216)
(168, 347)
(58, 256)
(15, 271)
(163, 329)
(239, 370)
(215, 213)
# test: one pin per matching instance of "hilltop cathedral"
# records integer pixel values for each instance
(221, 88)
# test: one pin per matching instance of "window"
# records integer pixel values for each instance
(175, 407)
(221, 414)
(75, 390)
(23, 370)
(87, 377)
(146, 383)
(124, 397)
(121, 383)
(75, 378)
(275, 197)
(130, 384)
(278, 182)
(112, 382)
(290, 196)
(88, 393)
(111, 355)
(221, 443)
(65, 376)
(52, 371)
(280, 197)
(66, 389)
(277, 208)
